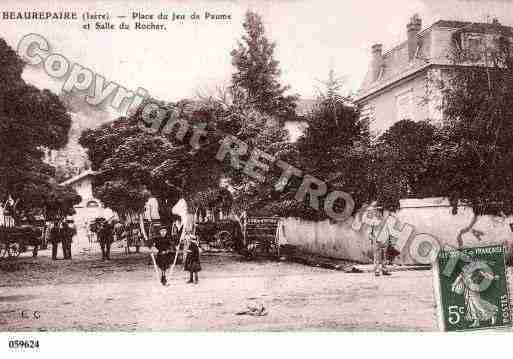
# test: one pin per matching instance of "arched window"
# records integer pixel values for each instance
(92, 204)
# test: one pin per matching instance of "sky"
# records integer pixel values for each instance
(312, 36)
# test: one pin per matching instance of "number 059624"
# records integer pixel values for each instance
(23, 344)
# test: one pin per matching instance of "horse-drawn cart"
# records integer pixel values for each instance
(15, 240)
(221, 234)
(261, 236)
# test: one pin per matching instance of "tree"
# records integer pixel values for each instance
(336, 144)
(59, 202)
(263, 133)
(30, 120)
(257, 72)
(124, 156)
(125, 199)
(134, 164)
(333, 149)
(476, 157)
(404, 160)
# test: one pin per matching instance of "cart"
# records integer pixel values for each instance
(261, 236)
(222, 234)
(15, 240)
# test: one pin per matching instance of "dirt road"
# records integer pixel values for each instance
(123, 294)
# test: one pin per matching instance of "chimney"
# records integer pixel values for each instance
(377, 61)
(413, 28)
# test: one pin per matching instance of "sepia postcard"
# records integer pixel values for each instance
(295, 166)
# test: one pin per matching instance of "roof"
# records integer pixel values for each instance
(473, 26)
(78, 177)
(397, 66)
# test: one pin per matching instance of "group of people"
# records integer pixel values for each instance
(108, 232)
(62, 232)
(169, 244)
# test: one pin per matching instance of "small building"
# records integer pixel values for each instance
(401, 82)
(90, 207)
(83, 185)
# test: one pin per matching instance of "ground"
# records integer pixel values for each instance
(123, 294)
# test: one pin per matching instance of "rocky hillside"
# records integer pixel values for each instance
(72, 159)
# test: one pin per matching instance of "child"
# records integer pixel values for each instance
(165, 254)
(192, 260)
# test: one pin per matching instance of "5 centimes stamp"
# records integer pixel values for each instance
(471, 287)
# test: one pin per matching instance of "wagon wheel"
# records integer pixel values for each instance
(224, 240)
(14, 249)
(251, 250)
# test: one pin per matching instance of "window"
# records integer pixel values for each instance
(92, 204)
(474, 46)
(404, 106)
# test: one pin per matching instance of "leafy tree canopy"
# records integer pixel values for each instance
(30, 120)
(477, 155)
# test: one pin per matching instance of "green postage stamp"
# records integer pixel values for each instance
(471, 289)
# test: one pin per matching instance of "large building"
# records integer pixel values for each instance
(402, 83)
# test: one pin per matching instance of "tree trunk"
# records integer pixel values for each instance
(466, 229)
(165, 208)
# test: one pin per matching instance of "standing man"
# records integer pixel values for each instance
(55, 238)
(379, 252)
(68, 231)
(105, 238)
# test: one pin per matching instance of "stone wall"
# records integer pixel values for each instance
(427, 216)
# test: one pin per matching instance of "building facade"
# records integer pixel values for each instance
(404, 82)
(90, 207)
